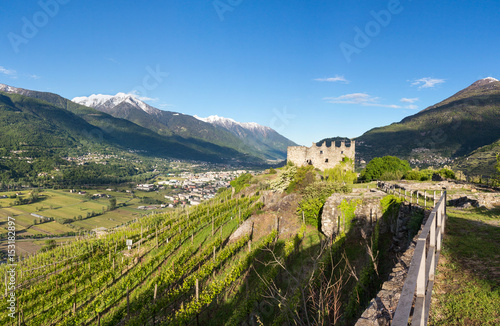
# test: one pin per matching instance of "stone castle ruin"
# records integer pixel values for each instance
(323, 156)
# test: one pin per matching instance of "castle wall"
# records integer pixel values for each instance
(322, 157)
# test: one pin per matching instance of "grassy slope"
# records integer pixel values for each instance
(481, 161)
(466, 291)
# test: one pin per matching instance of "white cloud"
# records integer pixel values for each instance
(166, 106)
(411, 107)
(360, 99)
(113, 60)
(8, 72)
(355, 98)
(427, 82)
(337, 78)
(409, 100)
(34, 76)
(136, 94)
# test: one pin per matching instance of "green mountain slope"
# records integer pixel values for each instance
(452, 128)
(481, 161)
(33, 119)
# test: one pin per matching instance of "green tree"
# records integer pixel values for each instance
(385, 168)
(497, 166)
(112, 204)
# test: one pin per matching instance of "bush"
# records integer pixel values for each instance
(285, 177)
(315, 196)
(387, 167)
(304, 176)
(425, 175)
(447, 173)
(241, 182)
(342, 172)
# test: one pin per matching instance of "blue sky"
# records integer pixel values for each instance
(309, 69)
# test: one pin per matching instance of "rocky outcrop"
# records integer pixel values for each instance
(463, 202)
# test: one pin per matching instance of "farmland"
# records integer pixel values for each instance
(61, 204)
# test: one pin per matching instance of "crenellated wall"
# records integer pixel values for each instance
(323, 156)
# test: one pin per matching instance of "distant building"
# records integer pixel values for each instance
(145, 187)
(324, 156)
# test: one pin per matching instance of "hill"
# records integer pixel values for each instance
(480, 162)
(452, 128)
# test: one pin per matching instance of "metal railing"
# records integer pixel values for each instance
(417, 289)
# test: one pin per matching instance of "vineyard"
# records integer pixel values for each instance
(186, 267)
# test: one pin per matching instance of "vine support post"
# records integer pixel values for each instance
(128, 302)
(197, 285)
(156, 289)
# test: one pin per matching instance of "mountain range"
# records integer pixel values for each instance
(448, 130)
(249, 138)
(122, 122)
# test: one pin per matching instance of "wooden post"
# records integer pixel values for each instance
(128, 302)
(156, 231)
(343, 214)
(197, 284)
(303, 218)
(425, 199)
(156, 289)
(434, 198)
(214, 254)
(74, 303)
(338, 224)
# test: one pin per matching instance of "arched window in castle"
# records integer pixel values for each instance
(341, 152)
(326, 161)
(321, 152)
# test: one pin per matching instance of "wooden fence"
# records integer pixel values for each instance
(417, 288)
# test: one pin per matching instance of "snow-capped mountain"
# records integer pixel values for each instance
(250, 138)
(103, 102)
(251, 133)
(229, 123)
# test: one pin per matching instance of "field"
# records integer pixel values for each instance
(61, 204)
(467, 286)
